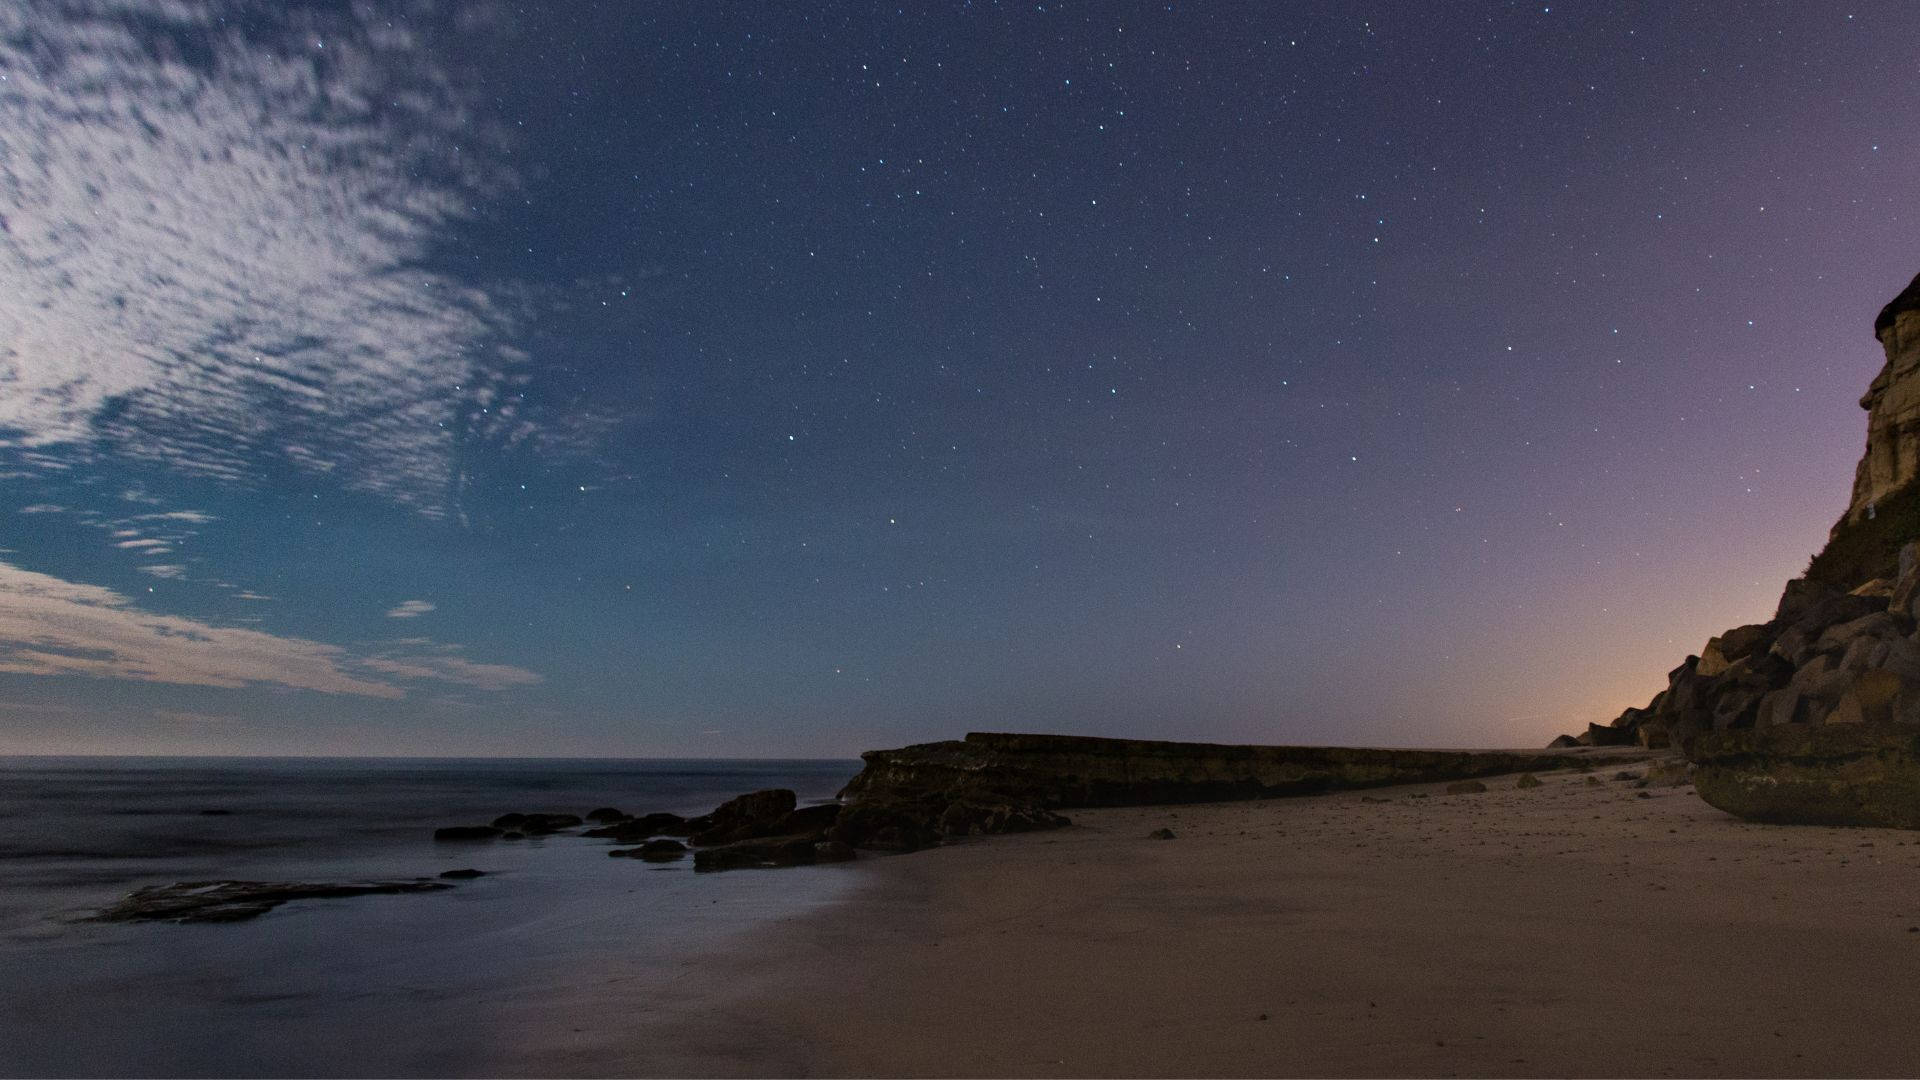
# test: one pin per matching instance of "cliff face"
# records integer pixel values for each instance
(1892, 401)
(1814, 715)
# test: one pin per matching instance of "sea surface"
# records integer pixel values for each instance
(432, 984)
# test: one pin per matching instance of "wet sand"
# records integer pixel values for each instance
(1569, 929)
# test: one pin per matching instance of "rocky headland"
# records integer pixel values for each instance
(1814, 715)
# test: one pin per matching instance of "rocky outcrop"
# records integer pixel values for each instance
(233, 901)
(1803, 717)
(1067, 771)
(634, 830)
(1829, 774)
(746, 816)
(917, 796)
(761, 853)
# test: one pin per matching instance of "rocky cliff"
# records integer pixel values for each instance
(1892, 402)
(1841, 649)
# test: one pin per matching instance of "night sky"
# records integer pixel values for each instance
(790, 380)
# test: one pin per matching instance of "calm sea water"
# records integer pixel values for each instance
(445, 983)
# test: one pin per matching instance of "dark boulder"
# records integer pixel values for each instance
(634, 830)
(1527, 780)
(463, 874)
(1607, 736)
(1562, 742)
(1161, 834)
(605, 814)
(809, 819)
(536, 824)
(652, 851)
(758, 853)
(746, 817)
(881, 824)
(467, 832)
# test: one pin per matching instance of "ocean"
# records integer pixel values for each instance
(436, 984)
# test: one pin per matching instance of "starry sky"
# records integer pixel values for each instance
(790, 380)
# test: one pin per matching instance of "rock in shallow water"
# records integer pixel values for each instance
(745, 817)
(634, 830)
(233, 901)
(536, 824)
(652, 851)
(466, 832)
(759, 853)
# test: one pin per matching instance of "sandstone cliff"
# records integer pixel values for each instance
(1892, 402)
(1842, 649)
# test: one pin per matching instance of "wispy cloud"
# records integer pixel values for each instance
(53, 627)
(49, 626)
(409, 609)
(42, 508)
(455, 669)
(170, 571)
(213, 260)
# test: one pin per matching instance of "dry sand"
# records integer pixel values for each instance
(1569, 930)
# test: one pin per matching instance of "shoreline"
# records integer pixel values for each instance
(1572, 929)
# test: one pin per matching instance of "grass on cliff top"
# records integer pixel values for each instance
(1869, 548)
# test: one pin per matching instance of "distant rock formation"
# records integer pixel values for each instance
(1751, 709)
(918, 796)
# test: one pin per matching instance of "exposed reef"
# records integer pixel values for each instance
(235, 901)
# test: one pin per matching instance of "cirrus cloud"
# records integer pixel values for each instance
(213, 240)
(50, 626)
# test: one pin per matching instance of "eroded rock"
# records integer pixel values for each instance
(1829, 774)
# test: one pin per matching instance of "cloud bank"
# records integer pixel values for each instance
(213, 242)
(409, 609)
(49, 626)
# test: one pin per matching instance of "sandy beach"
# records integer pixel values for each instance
(1576, 928)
